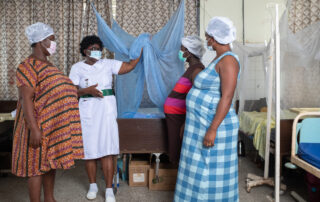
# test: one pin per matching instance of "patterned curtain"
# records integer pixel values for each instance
(300, 73)
(14, 16)
(303, 13)
(71, 20)
(138, 16)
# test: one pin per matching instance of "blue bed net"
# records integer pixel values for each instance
(159, 67)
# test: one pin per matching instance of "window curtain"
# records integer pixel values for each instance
(303, 13)
(138, 16)
(71, 20)
(300, 54)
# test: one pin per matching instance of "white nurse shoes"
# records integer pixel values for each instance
(93, 190)
(91, 195)
(110, 199)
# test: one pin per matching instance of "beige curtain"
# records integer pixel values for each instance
(138, 16)
(303, 13)
(300, 72)
(70, 19)
(14, 16)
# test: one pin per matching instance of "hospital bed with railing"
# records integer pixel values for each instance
(305, 151)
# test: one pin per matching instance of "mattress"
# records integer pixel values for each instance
(7, 116)
(255, 124)
(310, 152)
(144, 113)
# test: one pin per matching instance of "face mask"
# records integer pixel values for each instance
(52, 49)
(95, 54)
(183, 59)
(209, 48)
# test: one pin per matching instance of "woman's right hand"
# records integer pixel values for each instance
(94, 92)
(35, 138)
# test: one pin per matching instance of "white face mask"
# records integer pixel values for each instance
(231, 46)
(209, 48)
(95, 54)
(52, 49)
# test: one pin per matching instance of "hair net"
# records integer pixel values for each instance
(38, 31)
(194, 45)
(222, 30)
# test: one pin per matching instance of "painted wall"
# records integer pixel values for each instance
(257, 16)
(257, 29)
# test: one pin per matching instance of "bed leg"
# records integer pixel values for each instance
(115, 180)
(156, 179)
(124, 167)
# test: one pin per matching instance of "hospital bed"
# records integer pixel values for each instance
(6, 128)
(252, 130)
(305, 151)
(143, 132)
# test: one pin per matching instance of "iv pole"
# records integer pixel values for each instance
(254, 180)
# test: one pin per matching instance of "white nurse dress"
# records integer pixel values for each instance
(98, 115)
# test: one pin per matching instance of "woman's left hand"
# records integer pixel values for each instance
(208, 140)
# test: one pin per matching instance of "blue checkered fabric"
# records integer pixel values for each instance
(208, 174)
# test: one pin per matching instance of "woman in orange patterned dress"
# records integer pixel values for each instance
(47, 131)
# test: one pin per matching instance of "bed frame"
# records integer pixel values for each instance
(285, 141)
(6, 128)
(143, 136)
(285, 133)
(294, 157)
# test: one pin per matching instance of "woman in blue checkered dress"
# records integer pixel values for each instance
(208, 168)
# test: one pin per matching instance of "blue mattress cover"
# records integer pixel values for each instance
(310, 152)
(144, 113)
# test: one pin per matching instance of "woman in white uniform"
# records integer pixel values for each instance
(98, 110)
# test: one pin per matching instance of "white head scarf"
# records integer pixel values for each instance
(194, 45)
(222, 30)
(38, 32)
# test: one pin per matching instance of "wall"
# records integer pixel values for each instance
(257, 16)
(257, 26)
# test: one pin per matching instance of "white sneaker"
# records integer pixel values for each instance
(91, 195)
(110, 199)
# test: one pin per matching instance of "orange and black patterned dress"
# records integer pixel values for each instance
(57, 114)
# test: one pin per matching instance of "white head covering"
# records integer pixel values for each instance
(222, 30)
(38, 31)
(194, 45)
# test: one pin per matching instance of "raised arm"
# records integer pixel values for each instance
(129, 66)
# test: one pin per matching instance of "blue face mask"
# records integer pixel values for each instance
(96, 54)
(183, 59)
